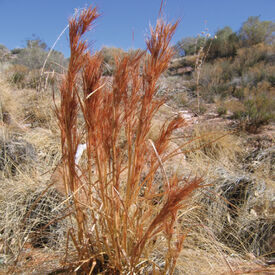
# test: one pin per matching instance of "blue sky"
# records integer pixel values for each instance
(120, 18)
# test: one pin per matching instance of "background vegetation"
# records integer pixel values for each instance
(238, 65)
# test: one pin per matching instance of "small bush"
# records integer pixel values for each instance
(248, 57)
(193, 106)
(16, 50)
(239, 93)
(225, 44)
(214, 79)
(271, 79)
(259, 110)
(221, 111)
(4, 53)
(17, 75)
(254, 31)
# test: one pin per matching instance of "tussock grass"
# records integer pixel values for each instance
(116, 218)
(38, 110)
(216, 143)
(236, 206)
(27, 216)
(9, 107)
(46, 144)
(21, 109)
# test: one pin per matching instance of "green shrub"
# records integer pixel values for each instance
(271, 79)
(189, 45)
(225, 44)
(253, 31)
(221, 110)
(16, 50)
(35, 54)
(239, 93)
(259, 110)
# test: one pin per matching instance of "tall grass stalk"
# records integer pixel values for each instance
(201, 57)
(119, 210)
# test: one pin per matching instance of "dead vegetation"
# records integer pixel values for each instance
(117, 215)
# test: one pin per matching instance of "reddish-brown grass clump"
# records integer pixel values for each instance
(116, 221)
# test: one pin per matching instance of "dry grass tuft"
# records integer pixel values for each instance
(116, 219)
(215, 143)
(10, 109)
(38, 110)
(23, 109)
(28, 216)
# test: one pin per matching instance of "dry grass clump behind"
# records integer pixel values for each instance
(30, 135)
(28, 215)
(27, 157)
(242, 219)
(29, 212)
(22, 109)
(38, 110)
(236, 207)
(10, 108)
(117, 221)
(47, 147)
(214, 143)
